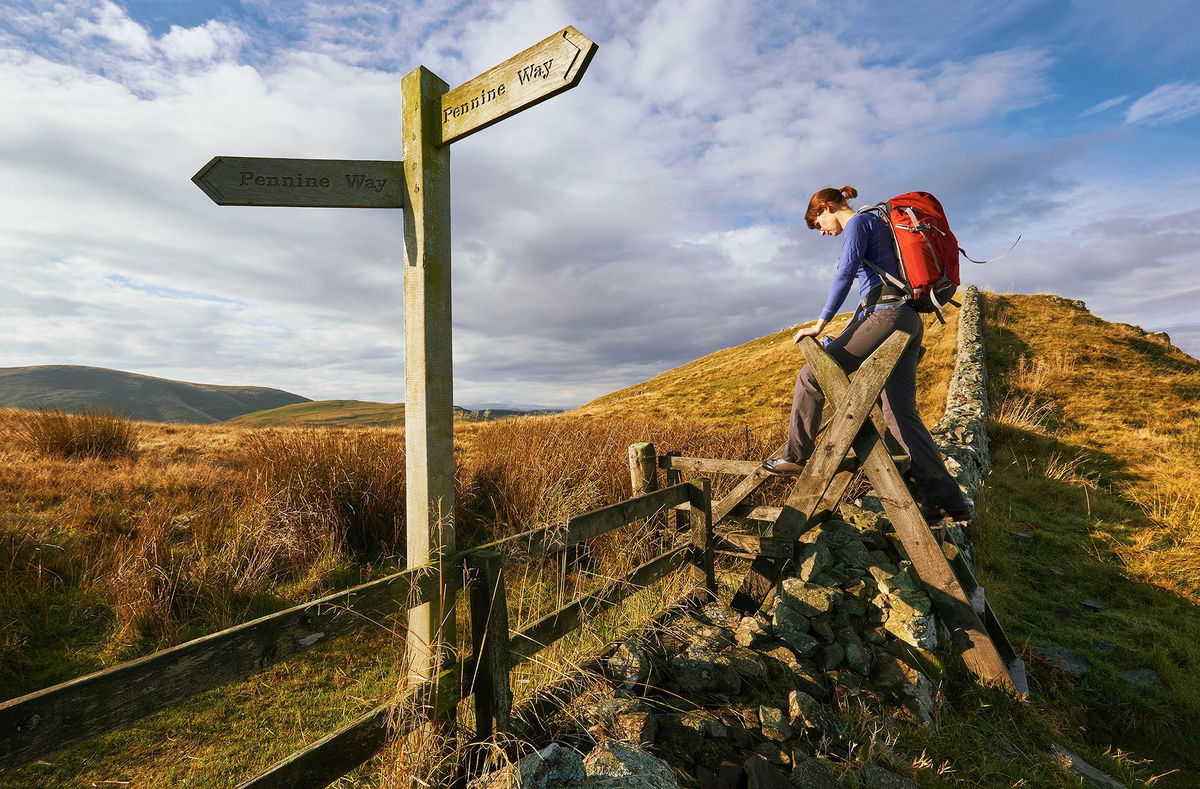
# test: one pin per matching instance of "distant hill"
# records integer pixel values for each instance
(751, 384)
(354, 413)
(76, 388)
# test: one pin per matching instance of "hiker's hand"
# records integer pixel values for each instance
(813, 331)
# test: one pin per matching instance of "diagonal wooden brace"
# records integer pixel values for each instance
(969, 634)
(804, 505)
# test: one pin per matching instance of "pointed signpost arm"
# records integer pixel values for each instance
(428, 375)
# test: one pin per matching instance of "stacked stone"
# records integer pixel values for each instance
(961, 433)
(729, 698)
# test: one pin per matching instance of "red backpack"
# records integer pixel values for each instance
(926, 248)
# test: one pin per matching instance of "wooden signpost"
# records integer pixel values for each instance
(420, 185)
(325, 183)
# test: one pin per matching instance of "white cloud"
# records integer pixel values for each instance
(1166, 104)
(1106, 105)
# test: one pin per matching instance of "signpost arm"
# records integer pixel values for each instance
(428, 377)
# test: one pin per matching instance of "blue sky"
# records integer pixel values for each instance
(645, 218)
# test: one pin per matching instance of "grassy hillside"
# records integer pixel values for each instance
(751, 384)
(143, 397)
(351, 413)
(327, 413)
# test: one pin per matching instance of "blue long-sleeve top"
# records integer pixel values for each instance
(864, 236)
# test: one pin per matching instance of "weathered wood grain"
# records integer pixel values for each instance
(489, 636)
(702, 535)
(547, 68)
(548, 539)
(312, 183)
(709, 465)
(744, 488)
(40, 723)
(675, 477)
(428, 367)
(643, 472)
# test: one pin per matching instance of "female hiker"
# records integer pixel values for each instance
(882, 310)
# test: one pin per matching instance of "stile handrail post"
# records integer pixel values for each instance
(702, 537)
(489, 637)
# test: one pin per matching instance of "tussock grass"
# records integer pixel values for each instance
(91, 434)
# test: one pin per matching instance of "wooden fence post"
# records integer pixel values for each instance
(489, 639)
(674, 477)
(643, 468)
(702, 533)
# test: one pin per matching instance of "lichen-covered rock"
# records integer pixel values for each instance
(721, 615)
(809, 772)
(624, 719)
(701, 670)
(814, 559)
(792, 626)
(806, 598)
(747, 663)
(774, 724)
(614, 765)
(910, 685)
(762, 774)
(907, 608)
(554, 767)
(751, 632)
(805, 712)
(629, 667)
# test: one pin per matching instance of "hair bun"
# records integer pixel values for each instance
(849, 192)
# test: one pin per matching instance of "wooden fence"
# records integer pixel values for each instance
(42, 722)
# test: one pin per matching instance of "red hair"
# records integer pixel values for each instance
(828, 198)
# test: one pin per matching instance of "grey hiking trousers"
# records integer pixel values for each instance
(850, 348)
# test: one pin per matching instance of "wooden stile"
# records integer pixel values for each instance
(819, 472)
(970, 635)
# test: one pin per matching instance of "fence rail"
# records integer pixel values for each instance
(42, 722)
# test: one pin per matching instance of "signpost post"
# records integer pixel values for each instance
(434, 117)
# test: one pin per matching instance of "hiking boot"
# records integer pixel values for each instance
(965, 511)
(782, 467)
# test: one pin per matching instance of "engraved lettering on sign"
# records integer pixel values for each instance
(360, 181)
(485, 95)
(535, 71)
(302, 181)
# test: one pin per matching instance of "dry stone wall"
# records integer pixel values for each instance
(961, 433)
